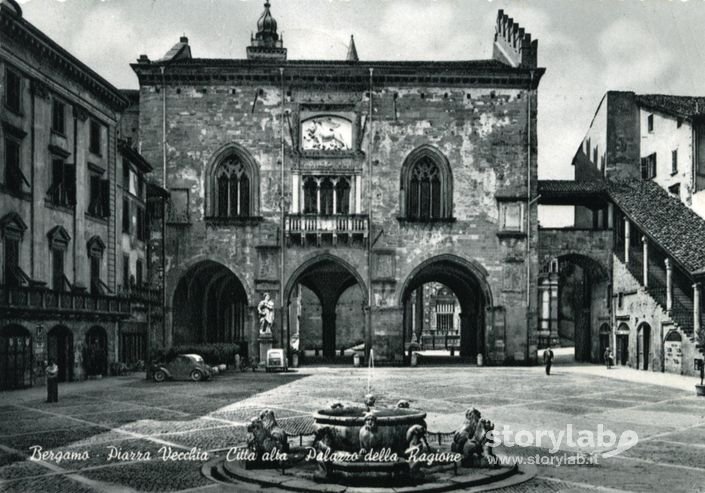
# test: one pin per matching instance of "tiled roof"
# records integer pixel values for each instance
(665, 219)
(680, 106)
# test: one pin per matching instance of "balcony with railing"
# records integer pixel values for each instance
(143, 294)
(319, 230)
(40, 301)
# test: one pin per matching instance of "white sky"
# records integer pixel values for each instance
(587, 46)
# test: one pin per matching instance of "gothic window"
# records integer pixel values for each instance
(233, 189)
(233, 185)
(426, 186)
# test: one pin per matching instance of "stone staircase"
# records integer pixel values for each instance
(682, 304)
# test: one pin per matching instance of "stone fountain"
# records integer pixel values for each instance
(358, 447)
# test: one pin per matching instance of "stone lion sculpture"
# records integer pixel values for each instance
(265, 436)
(472, 442)
(276, 432)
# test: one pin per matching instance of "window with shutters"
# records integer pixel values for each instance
(13, 91)
(648, 167)
(426, 186)
(15, 181)
(62, 191)
(98, 195)
(95, 138)
(126, 271)
(126, 218)
(96, 247)
(58, 244)
(141, 225)
(58, 117)
(12, 229)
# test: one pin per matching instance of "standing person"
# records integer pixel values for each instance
(608, 358)
(52, 382)
(548, 359)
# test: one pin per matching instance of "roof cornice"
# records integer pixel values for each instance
(39, 42)
(338, 72)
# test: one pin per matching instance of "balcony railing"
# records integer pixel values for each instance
(320, 227)
(41, 299)
(145, 294)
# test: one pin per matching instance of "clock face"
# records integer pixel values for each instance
(326, 133)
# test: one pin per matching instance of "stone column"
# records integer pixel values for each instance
(334, 181)
(669, 285)
(318, 195)
(645, 258)
(295, 194)
(627, 238)
(696, 307)
(358, 194)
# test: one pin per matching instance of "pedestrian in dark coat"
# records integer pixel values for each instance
(52, 382)
(548, 359)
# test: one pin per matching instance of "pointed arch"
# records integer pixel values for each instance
(426, 185)
(232, 183)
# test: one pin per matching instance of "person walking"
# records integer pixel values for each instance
(548, 359)
(52, 381)
(608, 358)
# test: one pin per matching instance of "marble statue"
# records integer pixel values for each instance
(266, 316)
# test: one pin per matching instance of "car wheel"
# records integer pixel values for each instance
(196, 375)
(159, 376)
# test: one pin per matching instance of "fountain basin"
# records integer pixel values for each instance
(346, 422)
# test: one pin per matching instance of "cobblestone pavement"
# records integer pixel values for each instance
(129, 416)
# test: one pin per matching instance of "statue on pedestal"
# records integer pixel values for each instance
(266, 316)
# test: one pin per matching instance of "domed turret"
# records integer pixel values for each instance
(266, 44)
(266, 23)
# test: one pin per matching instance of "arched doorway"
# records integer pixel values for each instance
(573, 292)
(643, 344)
(15, 358)
(622, 344)
(95, 359)
(60, 349)
(605, 334)
(325, 317)
(446, 295)
(210, 305)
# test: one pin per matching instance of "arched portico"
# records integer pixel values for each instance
(573, 291)
(209, 305)
(316, 287)
(467, 281)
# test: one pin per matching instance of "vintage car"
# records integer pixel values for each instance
(182, 367)
(276, 360)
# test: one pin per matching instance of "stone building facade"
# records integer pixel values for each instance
(339, 175)
(60, 295)
(636, 194)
